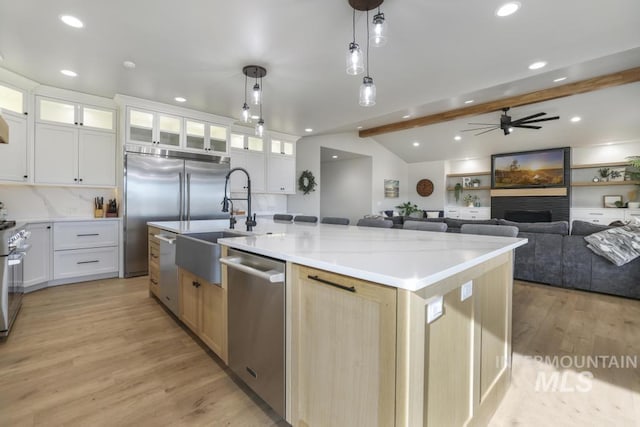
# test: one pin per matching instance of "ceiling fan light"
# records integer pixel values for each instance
(367, 92)
(378, 36)
(355, 59)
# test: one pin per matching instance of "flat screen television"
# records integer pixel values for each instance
(528, 169)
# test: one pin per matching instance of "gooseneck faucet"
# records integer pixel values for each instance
(251, 221)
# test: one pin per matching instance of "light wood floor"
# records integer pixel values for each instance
(105, 354)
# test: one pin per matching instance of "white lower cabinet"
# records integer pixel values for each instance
(603, 216)
(83, 250)
(37, 261)
(468, 213)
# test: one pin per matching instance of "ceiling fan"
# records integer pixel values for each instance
(507, 125)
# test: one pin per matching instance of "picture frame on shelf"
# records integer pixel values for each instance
(617, 174)
(610, 201)
(466, 181)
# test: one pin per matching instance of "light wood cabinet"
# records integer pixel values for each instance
(154, 261)
(343, 350)
(203, 308)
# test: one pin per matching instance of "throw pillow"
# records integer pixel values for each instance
(584, 228)
(433, 214)
(619, 245)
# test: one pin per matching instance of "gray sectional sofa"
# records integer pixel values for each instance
(554, 257)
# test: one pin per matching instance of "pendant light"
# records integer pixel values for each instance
(245, 108)
(354, 54)
(379, 35)
(256, 72)
(367, 88)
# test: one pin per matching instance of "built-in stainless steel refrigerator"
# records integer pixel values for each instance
(164, 185)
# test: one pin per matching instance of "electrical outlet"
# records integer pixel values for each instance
(466, 290)
(434, 308)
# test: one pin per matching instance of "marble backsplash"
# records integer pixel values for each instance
(24, 202)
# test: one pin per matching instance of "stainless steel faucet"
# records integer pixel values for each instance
(251, 221)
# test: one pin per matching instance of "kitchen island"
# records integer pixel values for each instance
(387, 326)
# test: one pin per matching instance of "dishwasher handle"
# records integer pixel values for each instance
(165, 239)
(272, 276)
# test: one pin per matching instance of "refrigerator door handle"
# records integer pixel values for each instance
(181, 197)
(188, 197)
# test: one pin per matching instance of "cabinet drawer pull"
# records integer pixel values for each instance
(154, 281)
(326, 282)
(154, 256)
(596, 213)
(87, 235)
(88, 262)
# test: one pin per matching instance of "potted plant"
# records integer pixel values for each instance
(468, 200)
(407, 208)
(604, 173)
(475, 182)
(457, 190)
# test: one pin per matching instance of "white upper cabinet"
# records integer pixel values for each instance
(13, 156)
(75, 143)
(248, 152)
(281, 167)
(150, 127)
(202, 136)
(61, 112)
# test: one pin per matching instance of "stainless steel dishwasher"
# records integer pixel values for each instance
(256, 304)
(168, 271)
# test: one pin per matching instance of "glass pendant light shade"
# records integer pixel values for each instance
(367, 92)
(378, 36)
(355, 59)
(256, 94)
(245, 113)
(260, 127)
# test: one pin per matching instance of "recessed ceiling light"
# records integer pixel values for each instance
(254, 117)
(576, 119)
(468, 101)
(69, 73)
(559, 79)
(537, 65)
(180, 99)
(359, 127)
(334, 157)
(508, 9)
(71, 21)
(416, 144)
(406, 116)
(308, 130)
(457, 137)
(129, 64)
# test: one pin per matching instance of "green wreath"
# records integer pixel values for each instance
(307, 182)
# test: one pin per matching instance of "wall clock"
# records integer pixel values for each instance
(424, 187)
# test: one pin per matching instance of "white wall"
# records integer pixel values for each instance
(345, 188)
(604, 153)
(434, 171)
(385, 165)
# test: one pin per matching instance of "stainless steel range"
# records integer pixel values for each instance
(13, 247)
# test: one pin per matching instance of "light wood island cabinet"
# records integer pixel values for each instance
(365, 354)
(203, 308)
(154, 261)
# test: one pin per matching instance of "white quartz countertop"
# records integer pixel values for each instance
(401, 258)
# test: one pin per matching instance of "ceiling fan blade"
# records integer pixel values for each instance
(541, 120)
(485, 131)
(527, 126)
(484, 124)
(533, 116)
(470, 130)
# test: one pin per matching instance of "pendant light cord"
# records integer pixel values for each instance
(367, 43)
(260, 98)
(354, 26)
(245, 89)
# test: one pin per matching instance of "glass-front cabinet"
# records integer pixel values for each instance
(150, 127)
(12, 99)
(61, 112)
(204, 136)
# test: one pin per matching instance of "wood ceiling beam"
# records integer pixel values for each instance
(614, 79)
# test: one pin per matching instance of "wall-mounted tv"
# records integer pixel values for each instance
(529, 169)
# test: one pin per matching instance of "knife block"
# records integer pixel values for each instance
(98, 213)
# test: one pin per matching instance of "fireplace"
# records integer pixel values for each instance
(527, 215)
